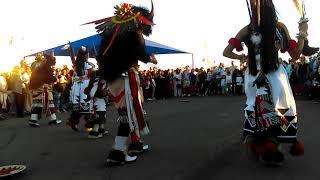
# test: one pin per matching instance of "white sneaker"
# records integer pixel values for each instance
(145, 147)
(34, 123)
(55, 122)
(58, 121)
(131, 158)
(94, 135)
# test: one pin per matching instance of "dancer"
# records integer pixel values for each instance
(81, 102)
(41, 82)
(122, 45)
(97, 92)
(270, 112)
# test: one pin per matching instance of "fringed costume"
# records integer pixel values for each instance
(121, 47)
(81, 102)
(270, 112)
(41, 81)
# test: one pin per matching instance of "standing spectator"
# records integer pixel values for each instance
(206, 84)
(302, 74)
(202, 76)
(234, 80)
(18, 91)
(177, 84)
(169, 83)
(219, 73)
(153, 86)
(57, 90)
(223, 84)
(193, 81)
(232, 67)
(186, 82)
(25, 77)
(147, 87)
(63, 80)
(229, 82)
(239, 85)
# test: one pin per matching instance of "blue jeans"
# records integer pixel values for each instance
(57, 99)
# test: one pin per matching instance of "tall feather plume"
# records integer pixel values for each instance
(258, 12)
(298, 6)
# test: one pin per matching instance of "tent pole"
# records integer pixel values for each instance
(192, 65)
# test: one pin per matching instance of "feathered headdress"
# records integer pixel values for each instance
(127, 17)
(39, 56)
(298, 6)
(255, 8)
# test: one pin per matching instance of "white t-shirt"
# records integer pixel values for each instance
(177, 78)
(239, 80)
(229, 79)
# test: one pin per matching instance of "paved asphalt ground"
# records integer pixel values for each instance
(199, 139)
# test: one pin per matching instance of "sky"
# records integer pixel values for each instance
(201, 27)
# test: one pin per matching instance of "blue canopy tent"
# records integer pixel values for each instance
(92, 43)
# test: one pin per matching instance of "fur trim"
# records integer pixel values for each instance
(256, 39)
(34, 117)
(258, 57)
(270, 150)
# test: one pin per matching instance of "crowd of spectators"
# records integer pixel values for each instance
(218, 80)
(304, 77)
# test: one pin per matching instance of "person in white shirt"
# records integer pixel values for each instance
(229, 82)
(177, 83)
(223, 84)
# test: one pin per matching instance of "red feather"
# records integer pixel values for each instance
(98, 21)
(146, 21)
(115, 33)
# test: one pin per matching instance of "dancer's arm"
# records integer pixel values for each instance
(228, 51)
(295, 50)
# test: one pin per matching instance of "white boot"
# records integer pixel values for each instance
(119, 155)
(34, 120)
(54, 120)
(94, 133)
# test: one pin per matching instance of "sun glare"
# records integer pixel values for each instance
(9, 59)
